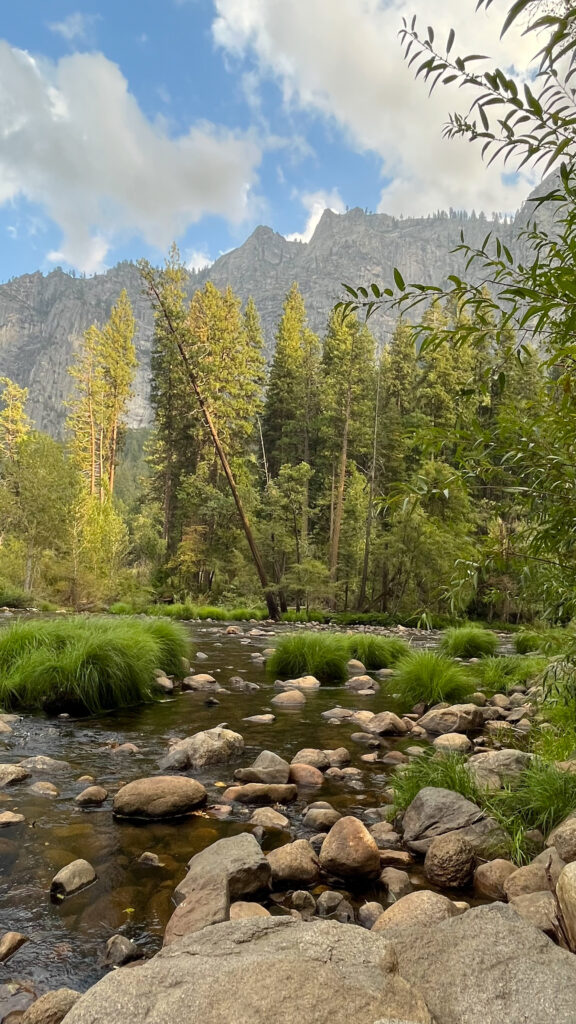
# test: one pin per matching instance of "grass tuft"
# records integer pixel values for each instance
(427, 677)
(450, 771)
(323, 655)
(469, 642)
(496, 675)
(376, 651)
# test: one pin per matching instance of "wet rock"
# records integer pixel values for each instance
(539, 908)
(260, 793)
(312, 756)
(161, 796)
(338, 757)
(563, 838)
(304, 902)
(40, 763)
(211, 746)
(242, 910)
(10, 942)
(322, 971)
(52, 1007)
(289, 699)
(267, 817)
(239, 685)
(543, 873)
(420, 909)
(10, 774)
(435, 811)
(302, 683)
(396, 882)
(355, 667)
(369, 913)
(72, 879)
(349, 850)
(490, 878)
(386, 724)
(202, 681)
(150, 860)
(124, 748)
(295, 862)
(44, 789)
(361, 684)
(306, 776)
(396, 858)
(8, 818)
(268, 767)
(457, 718)
(513, 973)
(8, 853)
(121, 950)
(366, 739)
(321, 819)
(342, 714)
(207, 903)
(453, 743)
(450, 861)
(163, 683)
(260, 719)
(233, 631)
(239, 860)
(93, 796)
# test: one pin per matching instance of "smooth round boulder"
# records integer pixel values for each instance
(490, 878)
(72, 878)
(450, 861)
(453, 743)
(162, 796)
(93, 796)
(417, 909)
(312, 756)
(295, 862)
(349, 850)
(52, 1007)
(242, 909)
(321, 819)
(289, 699)
(306, 776)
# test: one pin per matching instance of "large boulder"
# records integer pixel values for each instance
(566, 893)
(420, 910)
(294, 862)
(435, 811)
(457, 718)
(450, 861)
(542, 873)
(268, 767)
(239, 860)
(539, 908)
(386, 724)
(207, 903)
(490, 966)
(349, 851)
(161, 796)
(256, 971)
(213, 746)
(563, 838)
(495, 767)
(52, 1007)
(490, 878)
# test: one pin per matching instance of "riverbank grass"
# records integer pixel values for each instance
(429, 678)
(376, 651)
(323, 655)
(86, 665)
(469, 642)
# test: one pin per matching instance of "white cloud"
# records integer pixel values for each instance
(315, 203)
(74, 140)
(342, 60)
(76, 28)
(197, 260)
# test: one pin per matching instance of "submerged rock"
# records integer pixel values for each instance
(72, 879)
(161, 796)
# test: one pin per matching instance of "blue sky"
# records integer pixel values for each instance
(126, 124)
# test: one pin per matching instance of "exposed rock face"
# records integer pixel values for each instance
(253, 971)
(42, 319)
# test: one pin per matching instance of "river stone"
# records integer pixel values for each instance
(312, 756)
(10, 774)
(337, 713)
(289, 699)
(489, 966)
(161, 796)
(121, 950)
(44, 789)
(238, 859)
(92, 796)
(200, 681)
(317, 971)
(306, 775)
(10, 942)
(242, 910)
(8, 818)
(207, 903)
(260, 793)
(449, 862)
(453, 743)
(542, 873)
(539, 908)
(420, 909)
(338, 758)
(302, 683)
(503, 764)
(386, 724)
(72, 878)
(41, 763)
(490, 878)
(457, 718)
(295, 862)
(260, 719)
(211, 746)
(355, 667)
(396, 882)
(321, 819)
(5, 729)
(435, 811)
(52, 1007)
(360, 684)
(369, 913)
(563, 838)
(566, 894)
(268, 767)
(267, 817)
(349, 850)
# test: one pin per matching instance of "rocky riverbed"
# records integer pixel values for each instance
(262, 812)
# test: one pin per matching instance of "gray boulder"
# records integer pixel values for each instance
(207, 903)
(489, 965)
(239, 860)
(503, 764)
(52, 1007)
(70, 879)
(436, 811)
(212, 746)
(268, 767)
(258, 970)
(457, 718)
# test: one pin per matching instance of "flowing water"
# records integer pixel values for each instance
(67, 939)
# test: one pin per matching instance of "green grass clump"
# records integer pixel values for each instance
(83, 664)
(469, 642)
(323, 655)
(312, 615)
(121, 608)
(427, 677)
(376, 651)
(542, 797)
(527, 641)
(496, 675)
(447, 772)
(11, 598)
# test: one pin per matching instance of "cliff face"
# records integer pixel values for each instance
(42, 318)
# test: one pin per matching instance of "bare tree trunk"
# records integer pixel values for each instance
(305, 498)
(113, 447)
(370, 513)
(339, 502)
(270, 597)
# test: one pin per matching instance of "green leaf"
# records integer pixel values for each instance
(399, 280)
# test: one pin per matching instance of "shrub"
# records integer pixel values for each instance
(425, 676)
(376, 651)
(10, 598)
(323, 655)
(469, 642)
(84, 664)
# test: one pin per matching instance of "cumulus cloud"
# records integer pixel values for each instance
(315, 203)
(342, 60)
(76, 27)
(74, 140)
(196, 259)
